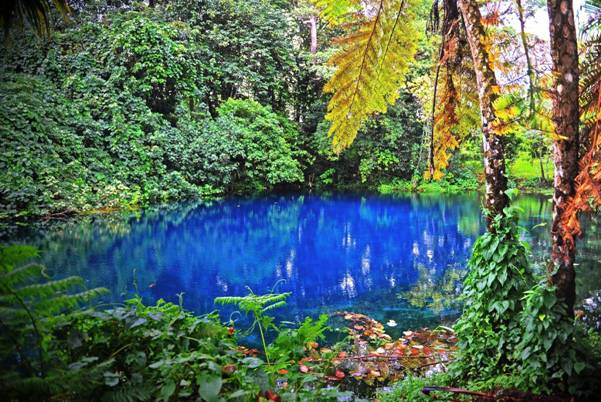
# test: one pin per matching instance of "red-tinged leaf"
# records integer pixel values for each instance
(303, 368)
(427, 351)
(229, 369)
(282, 371)
(340, 375)
(272, 396)
(230, 331)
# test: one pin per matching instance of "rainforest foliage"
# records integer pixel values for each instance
(126, 105)
(123, 105)
(55, 345)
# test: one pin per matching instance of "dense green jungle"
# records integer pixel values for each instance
(248, 124)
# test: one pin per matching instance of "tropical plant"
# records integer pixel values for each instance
(31, 305)
(258, 306)
(488, 329)
(370, 64)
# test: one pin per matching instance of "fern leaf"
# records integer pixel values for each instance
(228, 300)
(370, 67)
(18, 275)
(336, 12)
(11, 256)
(69, 301)
(274, 306)
(47, 289)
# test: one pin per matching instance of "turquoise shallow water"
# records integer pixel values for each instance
(394, 258)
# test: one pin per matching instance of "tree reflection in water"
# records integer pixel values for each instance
(351, 252)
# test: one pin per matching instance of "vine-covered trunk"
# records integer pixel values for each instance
(564, 55)
(494, 159)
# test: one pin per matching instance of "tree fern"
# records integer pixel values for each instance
(336, 12)
(370, 66)
(29, 300)
(258, 305)
(454, 106)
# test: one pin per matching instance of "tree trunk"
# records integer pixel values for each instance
(529, 67)
(494, 159)
(564, 55)
(312, 22)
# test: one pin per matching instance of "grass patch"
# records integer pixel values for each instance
(526, 168)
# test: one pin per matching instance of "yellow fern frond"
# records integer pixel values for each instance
(446, 121)
(370, 66)
(336, 12)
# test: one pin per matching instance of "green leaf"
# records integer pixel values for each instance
(578, 367)
(111, 379)
(167, 390)
(209, 387)
(252, 362)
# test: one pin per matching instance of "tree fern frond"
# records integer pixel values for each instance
(445, 122)
(370, 66)
(590, 73)
(11, 256)
(19, 275)
(274, 306)
(228, 300)
(336, 12)
(49, 288)
(69, 301)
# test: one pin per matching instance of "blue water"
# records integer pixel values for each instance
(399, 258)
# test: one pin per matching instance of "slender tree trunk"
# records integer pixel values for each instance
(494, 159)
(433, 118)
(312, 22)
(530, 68)
(564, 55)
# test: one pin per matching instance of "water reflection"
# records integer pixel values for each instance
(337, 252)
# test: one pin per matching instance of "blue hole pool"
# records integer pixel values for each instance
(394, 258)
